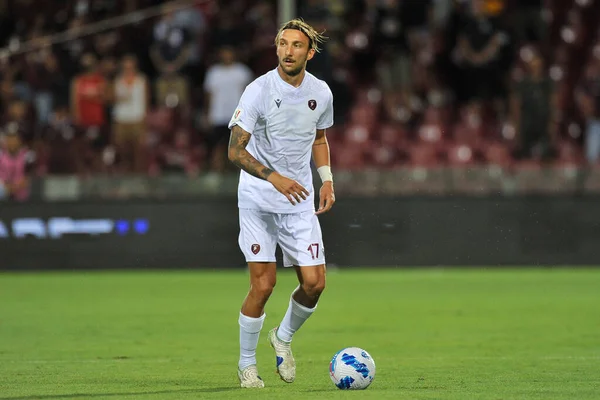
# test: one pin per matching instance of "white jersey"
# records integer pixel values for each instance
(283, 121)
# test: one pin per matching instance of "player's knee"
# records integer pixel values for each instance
(314, 287)
(263, 287)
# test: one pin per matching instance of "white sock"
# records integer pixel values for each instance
(249, 333)
(294, 317)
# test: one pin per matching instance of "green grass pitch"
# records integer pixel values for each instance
(434, 334)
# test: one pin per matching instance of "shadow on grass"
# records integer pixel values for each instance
(121, 394)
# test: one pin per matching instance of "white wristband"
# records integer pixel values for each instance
(325, 173)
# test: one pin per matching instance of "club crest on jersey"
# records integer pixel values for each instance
(255, 248)
(237, 114)
(278, 102)
(312, 104)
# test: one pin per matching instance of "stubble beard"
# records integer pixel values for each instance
(291, 72)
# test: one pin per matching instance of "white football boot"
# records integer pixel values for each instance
(286, 366)
(249, 378)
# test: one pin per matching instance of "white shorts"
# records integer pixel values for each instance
(298, 235)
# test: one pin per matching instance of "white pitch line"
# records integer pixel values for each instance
(168, 360)
(91, 361)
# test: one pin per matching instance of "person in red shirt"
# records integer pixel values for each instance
(88, 98)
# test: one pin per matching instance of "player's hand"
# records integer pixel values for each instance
(291, 189)
(326, 198)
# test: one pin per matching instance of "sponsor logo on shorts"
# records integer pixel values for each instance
(312, 104)
(255, 248)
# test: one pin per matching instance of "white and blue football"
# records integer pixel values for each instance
(352, 368)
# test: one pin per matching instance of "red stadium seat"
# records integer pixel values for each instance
(348, 156)
(433, 115)
(392, 135)
(468, 135)
(383, 155)
(364, 114)
(358, 134)
(160, 120)
(431, 133)
(335, 135)
(460, 154)
(424, 154)
(369, 96)
(497, 153)
(569, 153)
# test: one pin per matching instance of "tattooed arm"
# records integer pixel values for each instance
(239, 155)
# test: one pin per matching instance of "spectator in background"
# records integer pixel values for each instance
(261, 57)
(7, 93)
(72, 51)
(533, 107)
(131, 101)
(19, 115)
(480, 55)
(227, 32)
(314, 10)
(176, 154)
(529, 23)
(172, 90)
(61, 153)
(14, 82)
(107, 45)
(47, 81)
(588, 97)
(7, 23)
(224, 85)
(170, 53)
(88, 97)
(416, 17)
(192, 20)
(322, 67)
(393, 71)
(14, 166)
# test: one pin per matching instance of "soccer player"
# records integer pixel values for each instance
(279, 122)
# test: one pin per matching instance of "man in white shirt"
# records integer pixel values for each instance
(279, 123)
(223, 86)
(131, 101)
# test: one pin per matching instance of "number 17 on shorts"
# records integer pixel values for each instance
(313, 248)
(299, 236)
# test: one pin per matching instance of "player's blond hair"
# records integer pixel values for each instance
(314, 38)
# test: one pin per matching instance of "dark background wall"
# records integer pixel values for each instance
(359, 232)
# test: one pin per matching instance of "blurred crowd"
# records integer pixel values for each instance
(415, 82)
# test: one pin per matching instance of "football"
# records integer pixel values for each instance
(352, 368)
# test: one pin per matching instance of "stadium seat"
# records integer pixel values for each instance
(497, 153)
(382, 155)
(434, 115)
(364, 114)
(160, 120)
(335, 135)
(424, 154)
(431, 133)
(393, 135)
(569, 153)
(358, 134)
(369, 96)
(460, 154)
(348, 156)
(465, 134)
